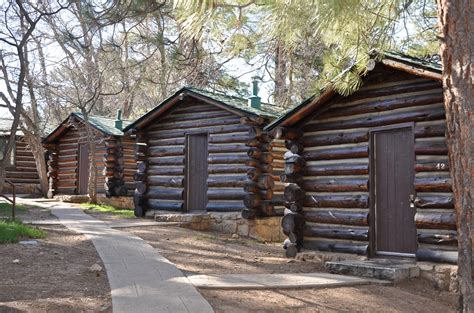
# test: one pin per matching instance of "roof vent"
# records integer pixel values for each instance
(254, 100)
(118, 120)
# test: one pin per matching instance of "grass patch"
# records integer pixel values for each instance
(98, 208)
(6, 209)
(14, 231)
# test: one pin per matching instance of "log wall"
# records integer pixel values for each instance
(336, 175)
(23, 173)
(63, 163)
(162, 181)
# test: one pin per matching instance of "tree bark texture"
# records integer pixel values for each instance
(457, 49)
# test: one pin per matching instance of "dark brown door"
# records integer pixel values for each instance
(83, 169)
(196, 172)
(392, 187)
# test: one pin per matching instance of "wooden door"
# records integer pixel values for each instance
(196, 172)
(83, 169)
(392, 189)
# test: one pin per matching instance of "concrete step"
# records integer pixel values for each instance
(384, 269)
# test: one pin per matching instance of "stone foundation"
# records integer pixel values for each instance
(443, 276)
(117, 202)
(262, 229)
(27, 189)
(72, 198)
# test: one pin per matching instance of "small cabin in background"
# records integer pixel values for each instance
(200, 151)
(369, 173)
(21, 168)
(69, 155)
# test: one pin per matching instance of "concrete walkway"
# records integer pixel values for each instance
(279, 281)
(141, 280)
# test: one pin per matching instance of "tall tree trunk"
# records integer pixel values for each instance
(455, 17)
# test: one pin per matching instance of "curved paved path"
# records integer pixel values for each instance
(141, 280)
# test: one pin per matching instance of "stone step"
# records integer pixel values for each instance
(383, 269)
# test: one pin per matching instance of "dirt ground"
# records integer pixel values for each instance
(212, 253)
(54, 275)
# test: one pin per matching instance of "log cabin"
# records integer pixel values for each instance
(21, 168)
(69, 155)
(203, 151)
(368, 173)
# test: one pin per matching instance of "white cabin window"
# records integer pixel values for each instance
(3, 147)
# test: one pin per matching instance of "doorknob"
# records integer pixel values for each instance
(412, 201)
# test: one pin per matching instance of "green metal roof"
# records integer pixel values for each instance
(267, 110)
(396, 56)
(104, 124)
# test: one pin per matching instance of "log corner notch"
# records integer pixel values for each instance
(140, 176)
(259, 184)
(293, 221)
(52, 168)
(113, 168)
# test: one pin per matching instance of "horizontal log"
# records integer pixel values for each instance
(288, 133)
(445, 238)
(237, 148)
(165, 151)
(166, 160)
(293, 207)
(226, 194)
(197, 123)
(266, 194)
(336, 153)
(227, 206)
(204, 115)
(340, 217)
(165, 181)
(232, 138)
(139, 200)
(253, 173)
(227, 159)
(253, 121)
(340, 247)
(335, 139)
(373, 121)
(430, 166)
(430, 148)
(435, 220)
(255, 132)
(336, 185)
(423, 254)
(265, 181)
(249, 213)
(337, 201)
(437, 130)
(434, 201)
(402, 88)
(167, 194)
(155, 204)
(357, 234)
(227, 169)
(336, 169)
(153, 170)
(433, 184)
(226, 181)
(384, 105)
(152, 142)
(169, 134)
(266, 157)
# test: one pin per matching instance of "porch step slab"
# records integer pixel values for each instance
(278, 281)
(182, 217)
(383, 269)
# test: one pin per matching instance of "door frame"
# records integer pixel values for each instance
(372, 251)
(186, 168)
(79, 159)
